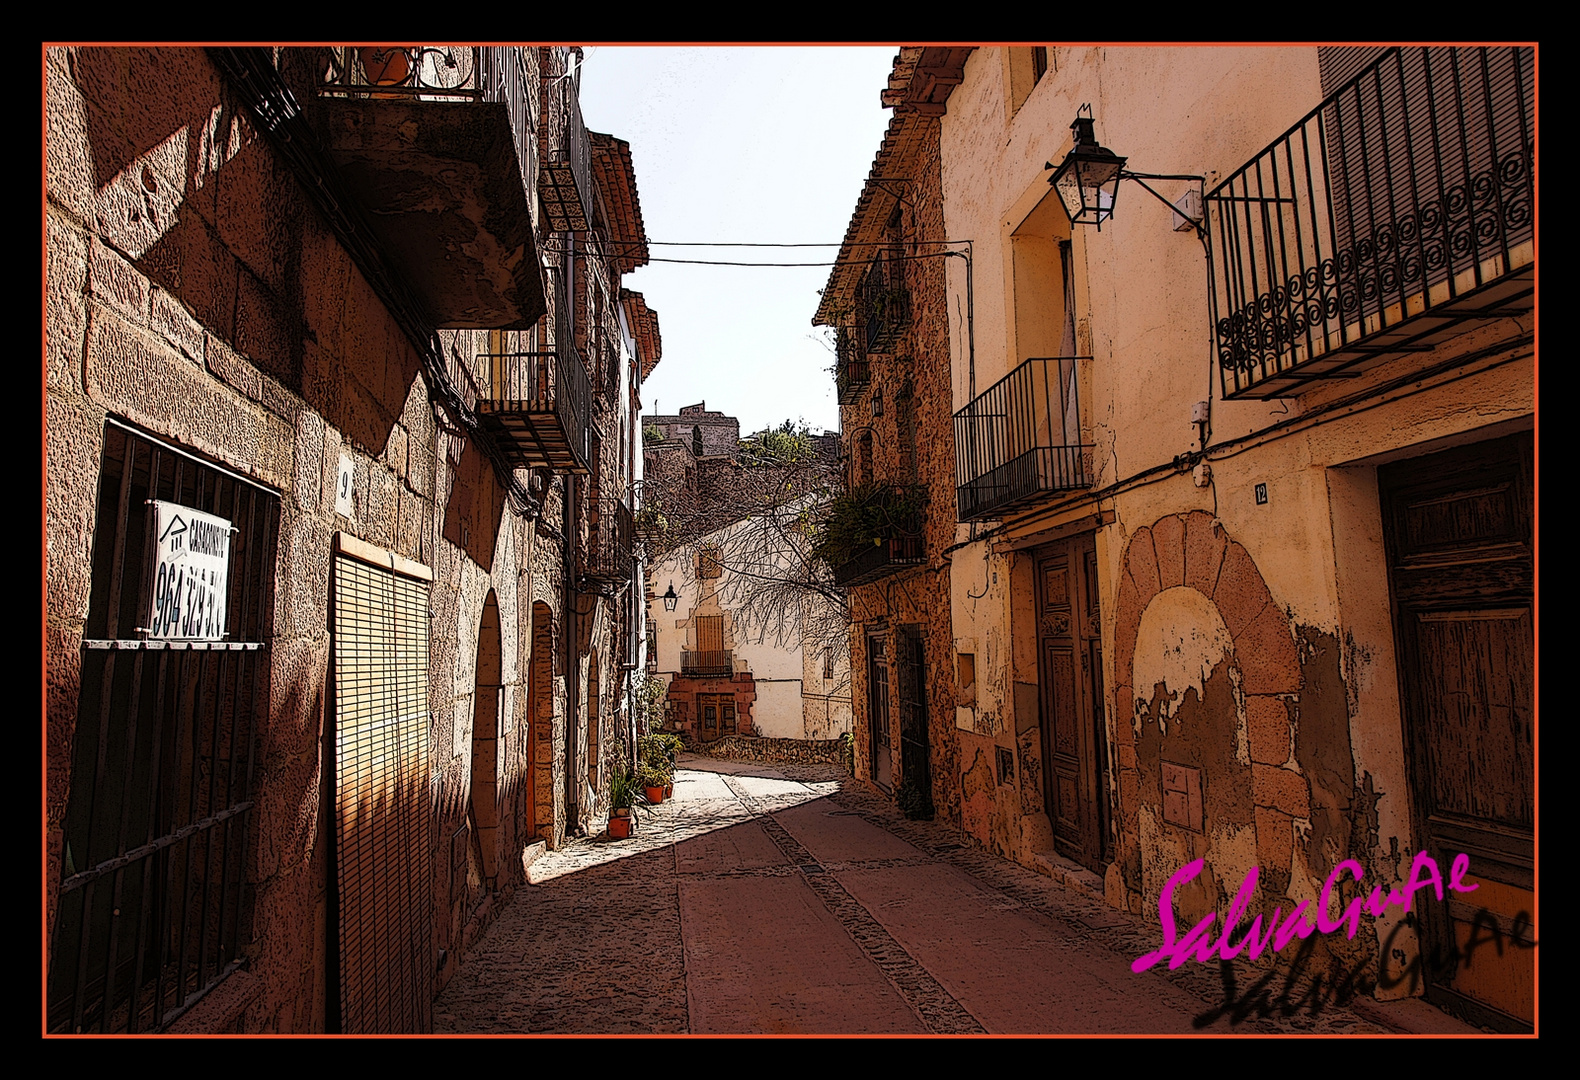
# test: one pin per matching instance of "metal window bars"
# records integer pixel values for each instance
(1406, 193)
(154, 903)
(1021, 438)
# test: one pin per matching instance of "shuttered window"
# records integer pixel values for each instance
(383, 812)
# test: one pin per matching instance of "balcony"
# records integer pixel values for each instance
(853, 372)
(1396, 212)
(436, 143)
(710, 664)
(565, 180)
(883, 304)
(606, 555)
(872, 531)
(886, 557)
(537, 405)
(1021, 440)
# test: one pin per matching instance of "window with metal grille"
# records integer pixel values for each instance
(154, 901)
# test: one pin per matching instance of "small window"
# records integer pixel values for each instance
(828, 664)
(708, 563)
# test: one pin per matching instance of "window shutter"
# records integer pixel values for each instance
(383, 812)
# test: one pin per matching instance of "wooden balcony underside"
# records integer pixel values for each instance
(531, 437)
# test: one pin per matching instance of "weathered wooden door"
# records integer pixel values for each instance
(1458, 526)
(1070, 692)
(878, 712)
(915, 750)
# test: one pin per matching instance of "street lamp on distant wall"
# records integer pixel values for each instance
(670, 598)
(1087, 181)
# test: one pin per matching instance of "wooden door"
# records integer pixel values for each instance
(718, 715)
(915, 749)
(1458, 527)
(1071, 700)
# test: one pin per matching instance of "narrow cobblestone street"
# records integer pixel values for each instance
(785, 900)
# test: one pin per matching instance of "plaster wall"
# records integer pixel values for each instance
(1272, 671)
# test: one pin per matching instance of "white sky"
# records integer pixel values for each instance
(742, 144)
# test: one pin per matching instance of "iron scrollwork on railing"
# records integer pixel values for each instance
(428, 71)
(1408, 187)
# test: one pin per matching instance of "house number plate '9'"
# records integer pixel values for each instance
(191, 569)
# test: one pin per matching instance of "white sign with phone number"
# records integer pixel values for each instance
(191, 573)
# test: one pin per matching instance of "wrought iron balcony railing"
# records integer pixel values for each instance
(712, 662)
(432, 172)
(565, 180)
(887, 557)
(441, 73)
(1396, 210)
(1021, 439)
(882, 301)
(538, 404)
(852, 373)
(607, 553)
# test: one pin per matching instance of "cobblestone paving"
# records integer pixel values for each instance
(594, 944)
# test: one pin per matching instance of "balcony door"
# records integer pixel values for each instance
(1070, 693)
(1460, 560)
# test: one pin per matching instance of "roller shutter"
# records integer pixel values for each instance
(383, 817)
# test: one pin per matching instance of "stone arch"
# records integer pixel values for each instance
(483, 805)
(1193, 551)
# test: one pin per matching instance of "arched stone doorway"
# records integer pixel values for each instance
(483, 804)
(1204, 748)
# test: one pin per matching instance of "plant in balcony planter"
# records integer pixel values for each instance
(866, 517)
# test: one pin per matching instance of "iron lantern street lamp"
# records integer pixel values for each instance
(670, 598)
(1088, 179)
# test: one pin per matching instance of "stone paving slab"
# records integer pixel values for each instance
(764, 954)
(739, 847)
(833, 835)
(1015, 974)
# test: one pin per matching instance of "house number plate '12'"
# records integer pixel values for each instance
(191, 567)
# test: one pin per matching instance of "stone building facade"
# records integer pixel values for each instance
(886, 304)
(353, 303)
(1244, 486)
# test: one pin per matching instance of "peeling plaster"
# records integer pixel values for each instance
(1182, 638)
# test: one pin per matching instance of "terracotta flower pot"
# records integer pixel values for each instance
(669, 791)
(655, 795)
(619, 828)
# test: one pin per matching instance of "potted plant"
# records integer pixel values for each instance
(622, 798)
(655, 754)
(654, 779)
